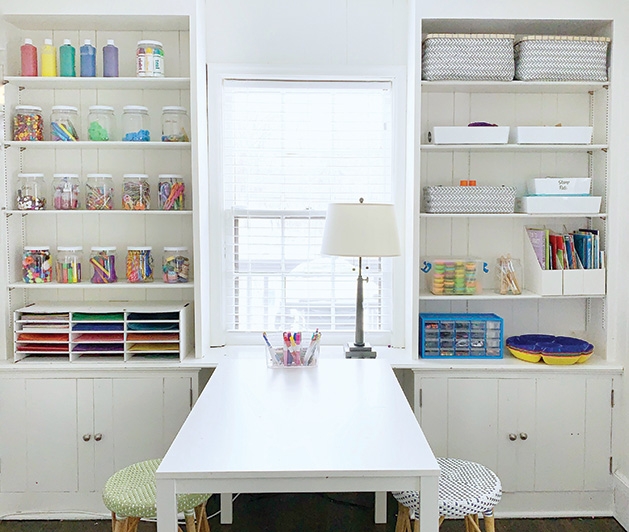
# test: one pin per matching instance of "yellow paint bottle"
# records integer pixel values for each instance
(48, 59)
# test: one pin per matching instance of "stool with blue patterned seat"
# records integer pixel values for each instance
(466, 489)
(130, 495)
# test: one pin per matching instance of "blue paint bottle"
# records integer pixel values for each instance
(88, 60)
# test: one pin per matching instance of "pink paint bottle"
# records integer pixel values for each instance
(29, 58)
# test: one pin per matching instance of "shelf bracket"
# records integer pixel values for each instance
(604, 150)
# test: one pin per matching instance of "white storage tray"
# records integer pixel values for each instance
(559, 204)
(469, 135)
(559, 186)
(551, 135)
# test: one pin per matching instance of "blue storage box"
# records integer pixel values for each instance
(460, 336)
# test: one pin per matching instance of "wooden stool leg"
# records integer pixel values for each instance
(416, 524)
(442, 518)
(202, 523)
(190, 524)
(403, 517)
(132, 524)
(470, 524)
(120, 525)
(489, 523)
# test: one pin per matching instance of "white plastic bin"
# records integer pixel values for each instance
(559, 186)
(469, 135)
(551, 135)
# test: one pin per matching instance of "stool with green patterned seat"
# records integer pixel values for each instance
(130, 495)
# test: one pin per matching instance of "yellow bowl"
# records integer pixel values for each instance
(524, 355)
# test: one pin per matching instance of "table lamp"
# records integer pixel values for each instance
(360, 230)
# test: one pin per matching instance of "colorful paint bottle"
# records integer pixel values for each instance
(48, 59)
(67, 59)
(88, 60)
(28, 54)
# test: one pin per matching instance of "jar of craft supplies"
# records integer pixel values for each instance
(28, 123)
(150, 59)
(139, 264)
(135, 123)
(99, 192)
(171, 190)
(175, 124)
(136, 192)
(64, 121)
(66, 189)
(37, 264)
(176, 265)
(101, 122)
(31, 192)
(103, 264)
(68, 264)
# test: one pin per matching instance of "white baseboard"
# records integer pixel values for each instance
(621, 499)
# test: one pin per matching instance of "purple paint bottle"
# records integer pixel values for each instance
(110, 60)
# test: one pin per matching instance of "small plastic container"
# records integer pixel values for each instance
(103, 264)
(64, 120)
(66, 189)
(36, 264)
(150, 59)
(31, 192)
(171, 192)
(99, 192)
(176, 265)
(135, 123)
(136, 192)
(175, 124)
(139, 264)
(28, 123)
(454, 276)
(68, 264)
(101, 122)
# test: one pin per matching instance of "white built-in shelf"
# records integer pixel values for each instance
(513, 86)
(94, 145)
(49, 83)
(79, 212)
(489, 295)
(509, 215)
(86, 285)
(515, 147)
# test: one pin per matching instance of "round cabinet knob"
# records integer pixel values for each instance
(523, 435)
(513, 437)
(98, 436)
(86, 437)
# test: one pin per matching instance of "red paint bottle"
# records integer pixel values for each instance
(29, 58)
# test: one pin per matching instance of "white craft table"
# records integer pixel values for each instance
(343, 426)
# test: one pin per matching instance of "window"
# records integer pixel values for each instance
(288, 149)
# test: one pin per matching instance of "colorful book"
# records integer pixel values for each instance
(539, 239)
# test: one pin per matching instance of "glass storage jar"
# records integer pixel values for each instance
(139, 264)
(171, 192)
(103, 264)
(28, 123)
(99, 192)
(135, 123)
(175, 124)
(175, 265)
(64, 121)
(68, 264)
(136, 192)
(66, 189)
(150, 59)
(31, 192)
(100, 122)
(36, 264)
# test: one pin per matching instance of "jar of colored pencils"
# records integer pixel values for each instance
(103, 263)
(68, 265)
(139, 264)
(171, 190)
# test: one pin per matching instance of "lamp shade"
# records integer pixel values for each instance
(360, 230)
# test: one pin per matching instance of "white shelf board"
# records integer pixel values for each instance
(77, 83)
(97, 21)
(568, 87)
(507, 215)
(514, 147)
(94, 145)
(112, 212)
(489, 295)
(86, 285)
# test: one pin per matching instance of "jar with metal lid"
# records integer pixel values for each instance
(135, 123)
(150, 59)
(175, 124)
(99, 192)
(66, 189)
(136, 192)
(176, 265)
(103, 264)
(64, 121)
(36, 264)
(31, 192)
(100, 123)
(28, 123)
(171, 190)
(139, 264)
(68, 264)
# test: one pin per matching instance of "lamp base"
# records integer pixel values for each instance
(356, 351)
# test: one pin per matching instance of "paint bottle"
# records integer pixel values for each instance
(29, 58)
(110, 60)
(48, 59)
(88, 60)
(67, 59)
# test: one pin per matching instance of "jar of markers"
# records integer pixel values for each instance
(139, 264)
(99, 192)
(103, 264)
(136, 192)
(36, 265)
(65, 192)
(68, 264)
(175, 124)
(171, 192)
(175, 265)
(135, 123)
(31, 192)
(28, 123)
(64, 121)
(100, 123)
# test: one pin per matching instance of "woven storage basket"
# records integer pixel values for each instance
(468, 57)
(561, 58)
(443, 199)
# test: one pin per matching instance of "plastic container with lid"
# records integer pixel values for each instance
(31, 192)
(175, 124)
(139, 264)
(68, 264)
(99, 192)
(103, 264)
(176, 265)
(28, 123)
(36, 264)
(135, 123)
(150, 59)
(171, 190)
(136, 192)
(66, 189)
(64, 121)
(101, 122)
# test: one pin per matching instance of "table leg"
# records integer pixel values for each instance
(227, 510)
(166, 506)
(380, 507)
(429, 504)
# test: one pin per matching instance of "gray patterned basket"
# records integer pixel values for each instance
(445, 199)
(468, 57)
(561, 58)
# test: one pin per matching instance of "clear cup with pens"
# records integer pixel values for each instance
(292, 349)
